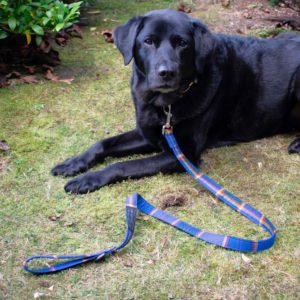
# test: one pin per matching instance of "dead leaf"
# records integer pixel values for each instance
(38, 295)
(225, 3)
(184, 8)
(45, 46)
(30, 69)
(75, 31)
(68, 80)
(69, 224)
(246, 259)
(54, 218)
(13, 74)
(29, 79)
(51, 76)
(94, 12)
(4, 146)
(108, 35)
(51, 288)
(61, 41)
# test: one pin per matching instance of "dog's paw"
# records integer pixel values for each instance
(83, 184)
(70, 167)
(294, 146)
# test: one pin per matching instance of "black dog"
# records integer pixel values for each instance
(223, 90)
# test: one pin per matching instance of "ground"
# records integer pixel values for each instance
(47, 122)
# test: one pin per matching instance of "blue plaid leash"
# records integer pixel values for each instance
(137, 202)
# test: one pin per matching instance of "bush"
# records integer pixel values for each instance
(35, 17)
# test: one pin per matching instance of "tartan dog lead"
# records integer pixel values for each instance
(137, 202)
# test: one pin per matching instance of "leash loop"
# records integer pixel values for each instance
(137, 202)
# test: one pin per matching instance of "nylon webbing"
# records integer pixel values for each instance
(137, 202)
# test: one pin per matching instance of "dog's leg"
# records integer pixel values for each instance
(163, 162)
(294, 147)
(124, 144)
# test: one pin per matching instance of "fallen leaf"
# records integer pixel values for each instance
(4, 146)
(38, 295)
(182, 7)
(30, 69)
(225, 3)
(68, 80)
(54, 217)
(51, 76)
(94, 12)
(51, 288)
(108, 35)
(69, 224)
(13, 74)
(61, 41)
(75, 31)
(246, 259)
(29, 79)
(151, 262)
(45, 46)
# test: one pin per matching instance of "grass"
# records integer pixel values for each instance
(48, 122)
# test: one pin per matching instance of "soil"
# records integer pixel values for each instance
(242, 16)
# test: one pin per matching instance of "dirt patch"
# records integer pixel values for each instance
(173, 199)
(241, 16)
(176, 197)
(4, 162)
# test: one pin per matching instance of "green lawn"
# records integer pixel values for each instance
(48, 122)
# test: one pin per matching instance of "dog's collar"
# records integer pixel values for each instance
(187, 87)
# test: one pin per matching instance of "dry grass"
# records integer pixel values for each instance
(48, 122)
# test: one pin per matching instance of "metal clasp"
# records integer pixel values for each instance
(168, 122)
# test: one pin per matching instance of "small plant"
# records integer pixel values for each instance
(35, 17)
(274, 2)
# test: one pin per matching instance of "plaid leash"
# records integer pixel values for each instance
(137, 202)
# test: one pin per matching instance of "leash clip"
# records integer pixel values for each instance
(168, 122)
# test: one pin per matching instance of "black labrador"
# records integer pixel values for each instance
(222, 90)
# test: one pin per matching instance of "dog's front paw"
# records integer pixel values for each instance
(83, 184)
(70, 167)
(294, 147)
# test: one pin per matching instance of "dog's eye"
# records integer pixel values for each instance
(182, 43)
(148, 41)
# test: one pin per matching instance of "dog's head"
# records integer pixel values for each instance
(168, 47)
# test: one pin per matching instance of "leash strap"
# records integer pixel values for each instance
(137, 202)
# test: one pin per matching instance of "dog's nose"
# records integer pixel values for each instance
(165, 72)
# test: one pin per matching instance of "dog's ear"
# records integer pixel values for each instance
(205, 43)
(124, 37)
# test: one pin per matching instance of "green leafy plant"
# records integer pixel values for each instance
(35, 17)
(274, 2)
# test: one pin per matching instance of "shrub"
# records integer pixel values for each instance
(35, 17)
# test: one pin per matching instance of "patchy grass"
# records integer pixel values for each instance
(47, 122)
